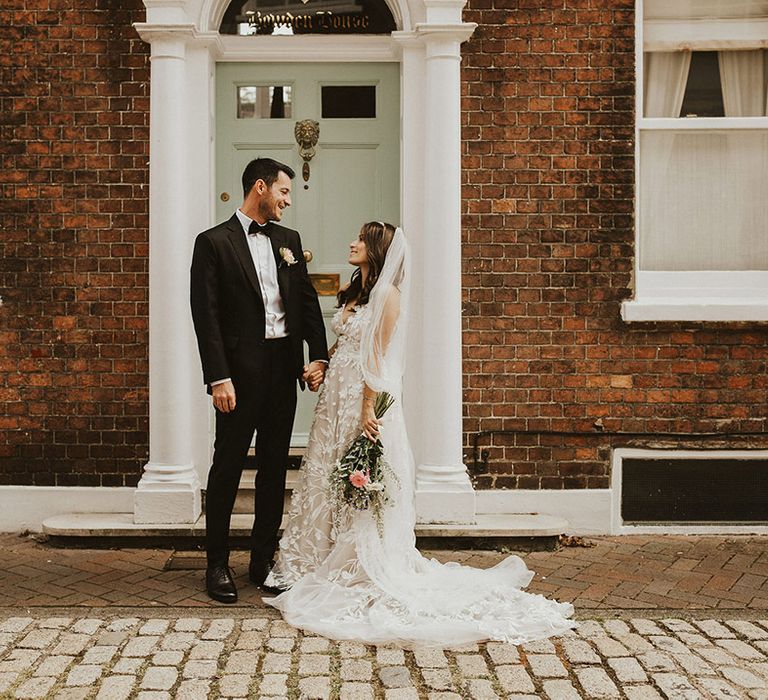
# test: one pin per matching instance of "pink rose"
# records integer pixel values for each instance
(358, 479)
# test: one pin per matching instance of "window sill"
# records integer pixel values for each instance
(635, 311)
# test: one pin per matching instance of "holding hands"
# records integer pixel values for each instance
(314, 374)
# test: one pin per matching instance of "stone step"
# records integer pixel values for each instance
(245, 492)
(521, 531)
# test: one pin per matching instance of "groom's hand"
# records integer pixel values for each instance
(314, 374)
(224, 396)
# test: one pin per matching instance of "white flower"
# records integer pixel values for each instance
(374, 486)
(287, 255)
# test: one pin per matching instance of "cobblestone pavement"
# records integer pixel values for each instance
(257, 655)
(660, 617)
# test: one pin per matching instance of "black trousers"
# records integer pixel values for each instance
(269, 409)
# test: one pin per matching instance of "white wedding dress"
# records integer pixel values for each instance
(347, 578)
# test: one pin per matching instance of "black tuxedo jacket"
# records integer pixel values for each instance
(228, 311)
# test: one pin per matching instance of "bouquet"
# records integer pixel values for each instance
(357, 479)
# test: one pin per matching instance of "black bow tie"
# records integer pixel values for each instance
(258, 228)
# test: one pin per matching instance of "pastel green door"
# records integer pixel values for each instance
(353, 176)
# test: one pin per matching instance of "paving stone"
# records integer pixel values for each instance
(747, 629)
(577, 651)
(235, 684)
(206, 650)
(560, 690)
(315, 687)
(200, 668)
(693, 639)
(71, 644)
(274, 684)
(167, 658)
(281, 644)
(219, 629)
(122, 624)
(314, 664)
(694, 665)
(742, 678)
(7, 679)
(128, 666)
(675, 685)
(250, 640)
(280, 628)
(430, 658)
(481, 689)
(84, 674)
(178, 641)
(355, 669)
(312, 645)
(99, 655)
(352, 650)
(646, 627)
(627, 670)
(194, 689)
(38, 639)
(55, 665)
(714, 629)
(154, 695)
(111, 639)
(616, 628)
(390, 656)
(597, 683)
(514, 679)
(401, 694)
(547, 666)
(609, 647)
(740, 649)
(635, 643)
(155, 626)
(16, 624)
(21, 659)
(72, 694)
(472, 665)
(719, 689)
(395, 677)
(590, 629)
(670, 644)
(188, 624)
(159, 678)
(241, 661)
(641, 692)
(436, 678)
(276, 663)
(140, 646)
(36, 687)
(503, 653)
(444, 696)
(656, 661)
(58, 623)
(677, 625)
(356, 691)
(539, 646)
(88, 625)
(251, 624)
(717, 656)
(116, 688)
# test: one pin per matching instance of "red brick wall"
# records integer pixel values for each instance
(548, 170)
(73, 253)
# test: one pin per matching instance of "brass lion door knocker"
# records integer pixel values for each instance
(307, 133)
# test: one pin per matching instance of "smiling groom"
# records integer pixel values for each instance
(253, 307)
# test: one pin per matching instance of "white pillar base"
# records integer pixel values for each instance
(444, 496)
(167, 495)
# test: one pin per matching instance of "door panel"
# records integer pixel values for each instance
(354, 175)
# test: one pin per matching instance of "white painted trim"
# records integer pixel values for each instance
(588, 511)
(715, 311)
(705, 34)
(25, 507)
(307, 48)
(618, 526)
(702, 123)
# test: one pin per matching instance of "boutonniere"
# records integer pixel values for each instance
(287, 255)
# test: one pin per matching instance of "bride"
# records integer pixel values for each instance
(347, 574)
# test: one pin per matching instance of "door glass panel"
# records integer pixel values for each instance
(348, 101)
(247, 17)
(264, 102)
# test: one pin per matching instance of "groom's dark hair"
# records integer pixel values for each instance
(263, 169)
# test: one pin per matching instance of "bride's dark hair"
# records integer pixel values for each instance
(377, 237)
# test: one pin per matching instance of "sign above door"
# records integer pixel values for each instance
(259, 17)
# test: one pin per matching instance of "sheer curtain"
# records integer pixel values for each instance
(666, 74)
(742, 76)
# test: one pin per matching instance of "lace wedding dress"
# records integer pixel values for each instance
(349, 579)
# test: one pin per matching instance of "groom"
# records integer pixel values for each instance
(253, 306)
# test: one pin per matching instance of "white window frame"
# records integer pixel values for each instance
(693, 295)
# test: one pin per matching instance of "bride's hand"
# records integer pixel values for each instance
(370, 424)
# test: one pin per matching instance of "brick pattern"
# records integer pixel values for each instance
(548, 254)
(74, 104)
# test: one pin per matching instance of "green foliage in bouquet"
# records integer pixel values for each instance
(357, 479)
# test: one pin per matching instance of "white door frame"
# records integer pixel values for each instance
(185, 48)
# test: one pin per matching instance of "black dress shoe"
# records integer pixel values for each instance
(220, 584)
(258, 572)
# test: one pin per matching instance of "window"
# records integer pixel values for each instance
(702, 147)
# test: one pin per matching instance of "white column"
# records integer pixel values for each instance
(443, 489)
(169, 490)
